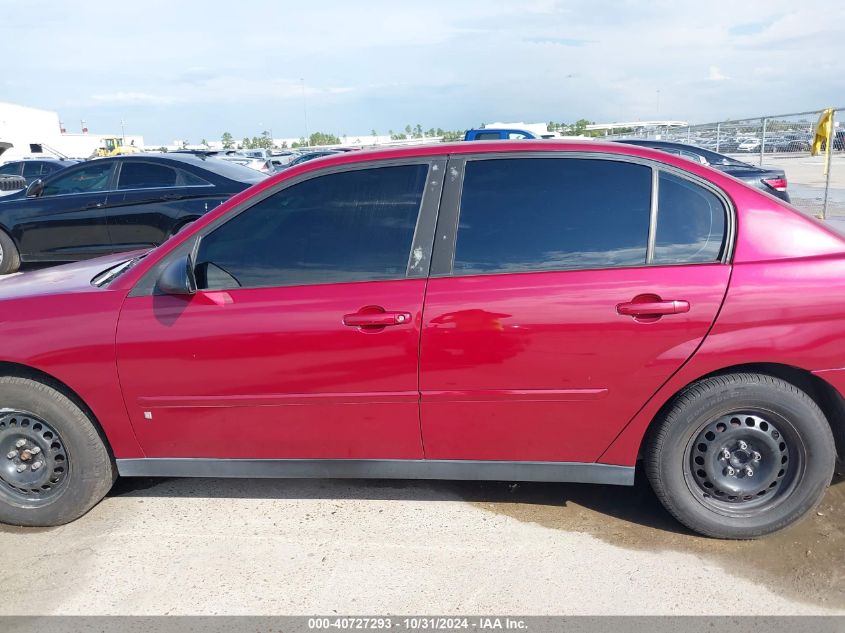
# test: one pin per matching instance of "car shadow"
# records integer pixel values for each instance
(631, 504)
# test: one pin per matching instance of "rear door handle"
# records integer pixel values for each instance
(376, 319)
(94, 205)
(652, 308)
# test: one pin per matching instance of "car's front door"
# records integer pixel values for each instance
(558, 312)
(303, 339)
(66, 221)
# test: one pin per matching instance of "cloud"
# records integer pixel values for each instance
(715, 74)
(557, 41)
(132, 98)
(382, 64)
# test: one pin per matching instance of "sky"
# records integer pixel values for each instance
(188, 69)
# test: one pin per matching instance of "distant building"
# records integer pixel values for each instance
(38, 133)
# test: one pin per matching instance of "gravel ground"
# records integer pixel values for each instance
(183, 546)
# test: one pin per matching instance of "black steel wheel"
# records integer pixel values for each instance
(744, 462)
(740, 455)
(35, 463)
(54, 464)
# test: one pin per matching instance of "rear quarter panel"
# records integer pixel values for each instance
(785, 304)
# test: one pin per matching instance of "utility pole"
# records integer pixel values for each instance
(304, 110)
(123, 130)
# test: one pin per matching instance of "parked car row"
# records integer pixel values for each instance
(771, 181)
(113, 204)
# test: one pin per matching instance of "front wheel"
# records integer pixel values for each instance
(10, 259)
(54, 466)
(740, 456)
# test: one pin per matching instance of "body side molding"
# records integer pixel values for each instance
(471, 470)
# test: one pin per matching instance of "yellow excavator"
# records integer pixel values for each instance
(113, 146)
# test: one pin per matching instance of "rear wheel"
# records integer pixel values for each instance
(740, 456)
(10, 259)
(54, 466)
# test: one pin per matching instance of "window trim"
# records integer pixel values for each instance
(449, 217)
(121, 163)
(423, 237)
(81, 166)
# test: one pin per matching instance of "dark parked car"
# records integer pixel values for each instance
(304, 158)
(35, 168)
(771, 181)
(111, 205)
(9, 182)
(547, 312)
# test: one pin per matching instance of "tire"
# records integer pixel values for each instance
(54, 466)
(10, 259)
(12, 183)
(779, 461)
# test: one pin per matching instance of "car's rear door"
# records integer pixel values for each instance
(303, 340)
(576, 286)
(152, 201)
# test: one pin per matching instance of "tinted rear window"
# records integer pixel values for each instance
(690, 223)
(532, 214)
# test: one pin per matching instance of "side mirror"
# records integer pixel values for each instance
(178, 277)
(35, 188)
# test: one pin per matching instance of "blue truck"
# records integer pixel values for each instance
(497, 134)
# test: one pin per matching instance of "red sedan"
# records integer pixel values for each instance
(535, 311)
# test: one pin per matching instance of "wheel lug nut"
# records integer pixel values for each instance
(742, 445)
(11, 454)
(21, 468)
(726, 454)
(36, 465)
(756, 456)
(729, 471)
(20, 443)
(749, 472)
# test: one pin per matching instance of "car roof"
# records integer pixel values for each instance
(480, 147)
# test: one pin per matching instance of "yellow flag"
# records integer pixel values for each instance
(822, 131)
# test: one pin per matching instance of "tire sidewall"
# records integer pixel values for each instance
(9, 256)
(90, 472)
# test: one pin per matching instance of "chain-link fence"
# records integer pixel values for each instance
(779, 141)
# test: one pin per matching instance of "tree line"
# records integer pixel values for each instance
(265, 140)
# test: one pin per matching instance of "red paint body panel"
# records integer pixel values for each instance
(55, 321)
(790, 312)
(524, 366)
(542, 367)
(273, 373)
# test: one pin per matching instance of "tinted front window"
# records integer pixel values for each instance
(690, 223)
(551, 214)
(351, 226)
(10, 169)
(93, 177)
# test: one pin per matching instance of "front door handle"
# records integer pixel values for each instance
(652, 308)
(376, 319)
(94, 205)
